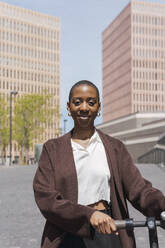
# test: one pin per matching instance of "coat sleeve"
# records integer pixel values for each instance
(63, 213)
(139, 191)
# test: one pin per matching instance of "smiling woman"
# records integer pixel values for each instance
(83, 106)
(84, 179)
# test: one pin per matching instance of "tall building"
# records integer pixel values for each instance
(30, 56)
(134, 61)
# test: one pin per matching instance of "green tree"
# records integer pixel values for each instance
(4, 126)
(31, 113)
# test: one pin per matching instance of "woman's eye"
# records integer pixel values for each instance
(91, 103)
(77, 103)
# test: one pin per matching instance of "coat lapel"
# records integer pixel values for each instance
(66, 170)
(111, 158)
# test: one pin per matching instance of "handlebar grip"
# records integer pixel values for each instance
(121, 224)
(162, 222)
(162, 216)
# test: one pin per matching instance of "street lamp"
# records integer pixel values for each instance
(65, 121)
(11, 94)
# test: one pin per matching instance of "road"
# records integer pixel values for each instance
(21, 223)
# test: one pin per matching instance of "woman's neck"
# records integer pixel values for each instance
(82, 134)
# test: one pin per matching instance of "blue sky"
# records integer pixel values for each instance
(82, 24)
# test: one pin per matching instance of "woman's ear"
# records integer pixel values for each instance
(99, 107)
(68, 106)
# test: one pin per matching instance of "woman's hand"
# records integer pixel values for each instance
(103, 223)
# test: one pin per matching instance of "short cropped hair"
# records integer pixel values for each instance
(83, 82)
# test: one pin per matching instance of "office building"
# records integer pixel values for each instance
(134, 61)
(30, 57)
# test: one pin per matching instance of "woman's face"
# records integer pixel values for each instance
(84, 106)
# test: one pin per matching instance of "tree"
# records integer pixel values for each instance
(31, 113)
(4, 126)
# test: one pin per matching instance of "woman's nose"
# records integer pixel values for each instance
(84, 106)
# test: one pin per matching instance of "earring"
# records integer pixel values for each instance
(69, 114)
(98, 114)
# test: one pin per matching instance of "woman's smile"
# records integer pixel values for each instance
(83, 117)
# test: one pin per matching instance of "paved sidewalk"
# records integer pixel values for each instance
(157, 176)
(21, 223)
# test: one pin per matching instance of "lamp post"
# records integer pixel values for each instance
(65, 121)
(11, 94)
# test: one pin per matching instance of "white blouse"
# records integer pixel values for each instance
(92, 171)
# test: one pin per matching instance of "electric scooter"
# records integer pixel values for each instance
(150, 222)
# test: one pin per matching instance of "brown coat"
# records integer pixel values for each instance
(56, 191)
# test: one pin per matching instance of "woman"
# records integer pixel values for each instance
(84, 179)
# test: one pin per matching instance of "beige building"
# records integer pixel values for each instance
(140, 132)
(30, 56)
(134, 61)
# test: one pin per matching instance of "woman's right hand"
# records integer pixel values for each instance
(103, 223)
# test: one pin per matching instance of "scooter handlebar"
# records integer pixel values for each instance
(130, 223)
